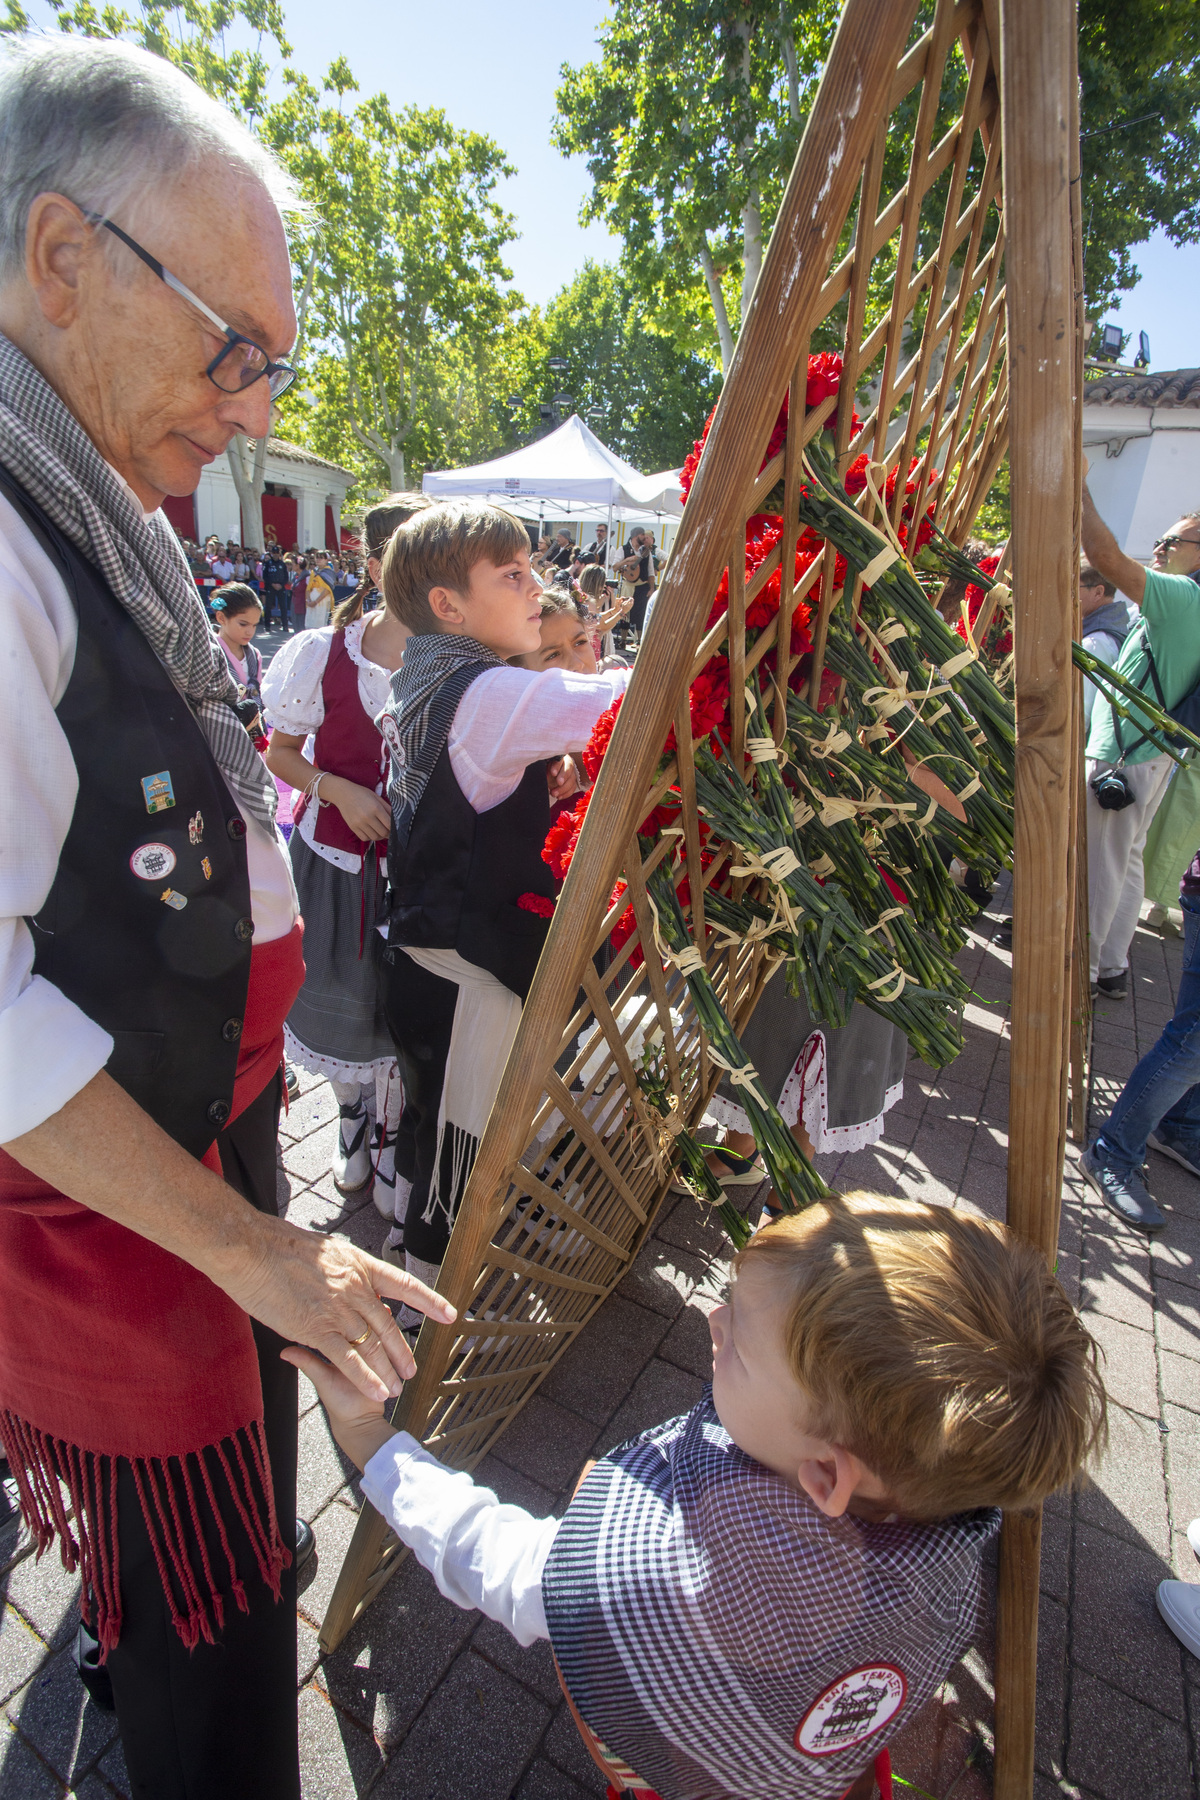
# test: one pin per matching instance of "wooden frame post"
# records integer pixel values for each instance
(1037, 77)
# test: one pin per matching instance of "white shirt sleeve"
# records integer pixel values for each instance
(509, 718)
(480, 1552)
(1105, 648)
(291, 685)
(49, 1049)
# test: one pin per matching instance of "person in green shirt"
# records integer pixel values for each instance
(1168, 594)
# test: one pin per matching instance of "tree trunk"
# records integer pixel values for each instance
(249, 484)
(396, 471)
(752, 247)
(789, 58)
(716, 296)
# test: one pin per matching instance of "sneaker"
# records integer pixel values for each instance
(1113, 987)
(1186, 1155)
(1179, 1604)
(1193, 1536)
(1123, 1192)
(352, 1152)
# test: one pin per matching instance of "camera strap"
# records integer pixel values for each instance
(1146, 737)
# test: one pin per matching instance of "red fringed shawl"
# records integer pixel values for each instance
(111, 1347)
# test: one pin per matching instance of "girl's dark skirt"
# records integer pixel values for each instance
(838, 1083)
(337, 1027)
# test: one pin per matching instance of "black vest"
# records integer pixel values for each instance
(147, 927)
(456, 882)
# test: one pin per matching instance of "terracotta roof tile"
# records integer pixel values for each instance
(1174, 387)
(294, 453)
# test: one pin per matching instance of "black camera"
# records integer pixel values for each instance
(1112, 790)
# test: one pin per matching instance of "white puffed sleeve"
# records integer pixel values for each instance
(291, 686)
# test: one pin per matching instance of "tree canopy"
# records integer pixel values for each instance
(690, 118)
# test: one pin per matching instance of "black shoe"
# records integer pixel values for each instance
(92, 1672)
(291, 1081)
(306, 1543)
(1122, 1191)
(1114, 987)
(1003, 935)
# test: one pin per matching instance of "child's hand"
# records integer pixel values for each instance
(562, 777)
(357, 1423)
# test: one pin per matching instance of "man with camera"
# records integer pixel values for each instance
(1126, 773)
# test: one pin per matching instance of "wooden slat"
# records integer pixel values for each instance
(1038, 74)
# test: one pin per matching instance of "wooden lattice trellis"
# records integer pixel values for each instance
(890, 248)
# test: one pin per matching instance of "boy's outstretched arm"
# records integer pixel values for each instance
(481, 1553)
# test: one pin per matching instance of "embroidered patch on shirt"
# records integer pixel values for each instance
(206, 866)
(196, 829)
(150, 862)
(851, 1709)
(172, 898)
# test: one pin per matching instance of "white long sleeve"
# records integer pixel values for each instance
(49, 1049)
(509, 718)
(481, 1552)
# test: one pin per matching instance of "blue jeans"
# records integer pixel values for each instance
(1163, 1090)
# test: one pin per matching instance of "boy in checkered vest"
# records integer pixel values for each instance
(751, 1600)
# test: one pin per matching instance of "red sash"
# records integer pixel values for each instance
(112, 1347)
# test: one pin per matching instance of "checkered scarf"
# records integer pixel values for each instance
(426, 689)
(50, 456)
(725, 1638)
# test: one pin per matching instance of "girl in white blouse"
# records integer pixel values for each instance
(322, 694)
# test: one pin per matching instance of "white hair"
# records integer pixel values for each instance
(111, 127)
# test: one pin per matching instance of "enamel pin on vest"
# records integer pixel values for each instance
(158, 791)
(150, 862)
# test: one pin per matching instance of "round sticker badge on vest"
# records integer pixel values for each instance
(851, 1709)
(150, 862)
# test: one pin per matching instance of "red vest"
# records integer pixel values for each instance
(347, 744)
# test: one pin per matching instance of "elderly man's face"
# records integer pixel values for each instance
(1177, 551)
(127, 354)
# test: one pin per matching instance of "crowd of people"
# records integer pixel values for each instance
(298, 589)
(761, 1591)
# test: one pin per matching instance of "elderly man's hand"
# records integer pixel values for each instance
(326, 1293)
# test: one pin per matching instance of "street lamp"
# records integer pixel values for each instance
(558, 363)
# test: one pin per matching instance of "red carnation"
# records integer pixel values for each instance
(597, 745)
(536, 903)
(563, 836)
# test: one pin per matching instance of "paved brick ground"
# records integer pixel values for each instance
(427, 1703)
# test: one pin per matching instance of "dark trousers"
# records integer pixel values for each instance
(637, 616)
(217, 1722)
(419, 1008)
(278, 602)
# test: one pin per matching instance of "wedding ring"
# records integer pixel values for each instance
(362, 1339)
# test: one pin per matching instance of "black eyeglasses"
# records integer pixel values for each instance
(1169, 543)
(242, 362)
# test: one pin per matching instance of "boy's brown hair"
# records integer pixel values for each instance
(438, 548)
(938, 1348)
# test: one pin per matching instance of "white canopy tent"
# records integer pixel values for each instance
(568, 475)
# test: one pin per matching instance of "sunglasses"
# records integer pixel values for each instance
(1169, 543)
(242, 362)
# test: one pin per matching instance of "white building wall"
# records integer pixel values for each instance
(1144, 470)
(218, 509)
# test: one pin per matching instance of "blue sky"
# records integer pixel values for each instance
(496, 71)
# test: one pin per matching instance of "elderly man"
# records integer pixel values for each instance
(1162, 656)
(150, 946)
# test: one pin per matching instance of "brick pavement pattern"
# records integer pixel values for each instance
(424, 1702)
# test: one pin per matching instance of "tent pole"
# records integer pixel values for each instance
(608, 538)
(1037, 72)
